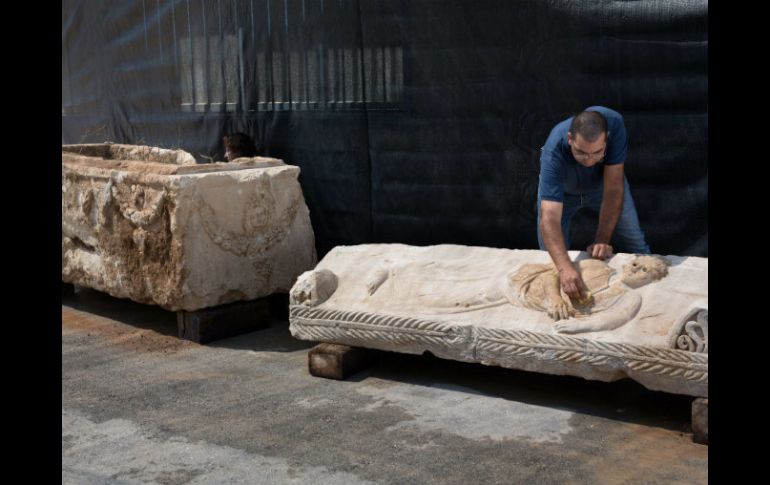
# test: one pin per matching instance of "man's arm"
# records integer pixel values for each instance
(612, 202)
(550, 228)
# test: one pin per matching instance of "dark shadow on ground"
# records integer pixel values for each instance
(623, 400)
(275, 338)
(122, 310)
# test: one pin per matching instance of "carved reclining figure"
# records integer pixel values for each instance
(533, 286)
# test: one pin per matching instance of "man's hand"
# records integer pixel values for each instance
(600, 251)
(571, 282)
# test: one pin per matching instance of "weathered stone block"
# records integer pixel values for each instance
(150, 225)
(646, 316)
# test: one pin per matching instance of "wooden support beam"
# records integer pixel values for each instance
(334, 361)
(700, 421)
(209, 324)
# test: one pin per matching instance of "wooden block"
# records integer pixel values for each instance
(700, 421)
(334, 361)
(67, 289)
(209, 324)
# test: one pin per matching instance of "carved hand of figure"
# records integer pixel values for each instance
(571, 326)
(600, 251)
(560, 310)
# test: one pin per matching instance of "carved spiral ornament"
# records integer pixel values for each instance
(695, 334)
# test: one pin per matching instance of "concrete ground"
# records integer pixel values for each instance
(141, 406)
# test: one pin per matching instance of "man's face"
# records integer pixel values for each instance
(230, 155)
(588, 153)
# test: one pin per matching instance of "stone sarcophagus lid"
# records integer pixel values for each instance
(643, 317)
(151, 225)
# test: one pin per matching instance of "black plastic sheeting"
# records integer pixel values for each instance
(417, 121)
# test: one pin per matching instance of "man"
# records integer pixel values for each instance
(582, 166)
(238, 145)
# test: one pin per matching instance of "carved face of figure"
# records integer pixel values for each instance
(643, 270)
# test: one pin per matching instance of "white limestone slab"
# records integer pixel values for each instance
(487, 305)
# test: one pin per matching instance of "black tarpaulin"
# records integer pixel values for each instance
(413, 121)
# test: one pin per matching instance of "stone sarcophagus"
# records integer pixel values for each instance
(151, 225)
(644, 317)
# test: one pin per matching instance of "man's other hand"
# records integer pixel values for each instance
(600, 251)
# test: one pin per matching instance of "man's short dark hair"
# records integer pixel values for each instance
(240, 144)
(589, 125)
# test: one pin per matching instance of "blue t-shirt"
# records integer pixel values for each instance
(561, 174)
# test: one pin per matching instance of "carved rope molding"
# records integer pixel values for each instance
(659, 361)
(324, 325)
(329, 325)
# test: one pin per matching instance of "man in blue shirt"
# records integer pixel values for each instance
(582, 166)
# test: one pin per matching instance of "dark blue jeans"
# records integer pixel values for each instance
(628, 236)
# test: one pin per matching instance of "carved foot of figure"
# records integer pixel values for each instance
(313, 288)
(376, 280)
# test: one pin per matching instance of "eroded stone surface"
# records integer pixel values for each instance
(144, 153)
(646, 318)
(164, 231)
